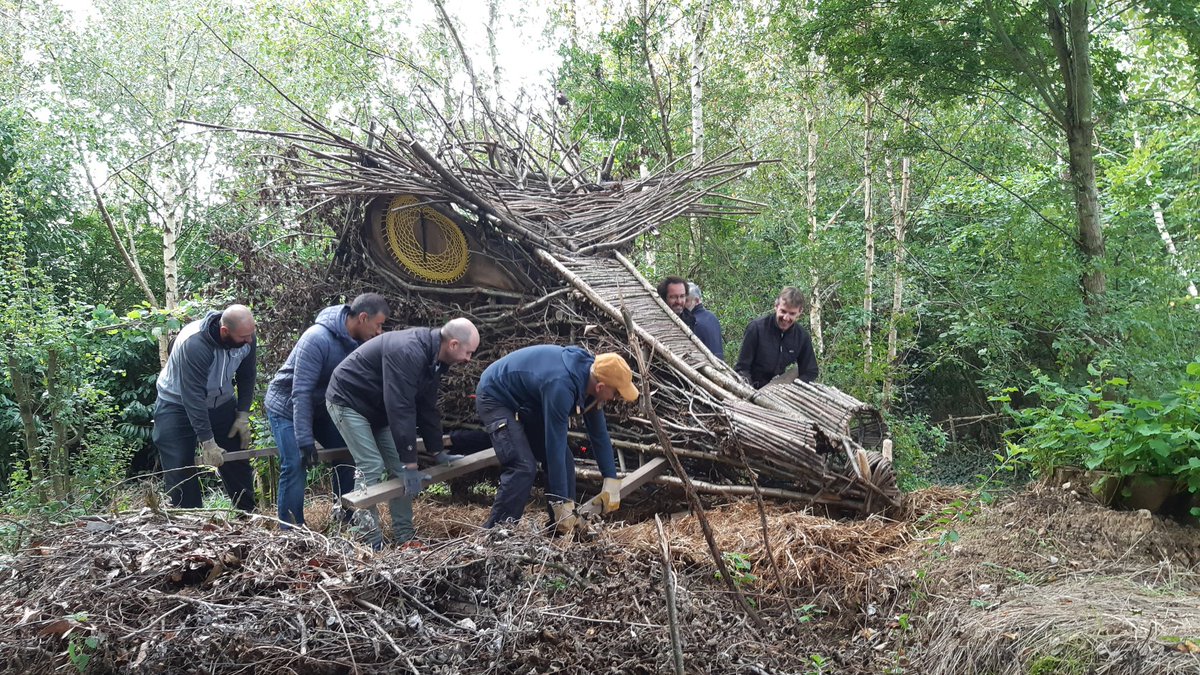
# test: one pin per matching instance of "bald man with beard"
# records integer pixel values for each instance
(197, 407)
(383, 395)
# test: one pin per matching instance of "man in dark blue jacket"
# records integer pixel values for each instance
(196, 406)
(774, 342)
(295, 399)
(707, 327)
(524, 401)
(386, 392)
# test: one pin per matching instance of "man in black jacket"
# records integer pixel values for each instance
(383, 394)
(774, 342)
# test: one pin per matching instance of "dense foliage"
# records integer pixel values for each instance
(118, 216)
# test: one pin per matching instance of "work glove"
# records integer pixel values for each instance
(308, 456)
(241, 429)
(444, 457)
(565, 520)
(211, 453)
(609, 498)
(412, 481)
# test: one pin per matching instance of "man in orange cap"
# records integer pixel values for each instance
(525, 400)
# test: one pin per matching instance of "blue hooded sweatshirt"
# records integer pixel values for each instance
(551, 381)
(298, 390)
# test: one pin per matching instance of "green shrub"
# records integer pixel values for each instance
(1101, 426)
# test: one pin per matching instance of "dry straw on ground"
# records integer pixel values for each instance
(1039, 581)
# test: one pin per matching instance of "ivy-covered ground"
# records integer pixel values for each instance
(1040, 582)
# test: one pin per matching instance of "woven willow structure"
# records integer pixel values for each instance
(516, 233)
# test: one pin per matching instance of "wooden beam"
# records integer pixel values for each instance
(324, 454)
(629, 484)
(381, 492)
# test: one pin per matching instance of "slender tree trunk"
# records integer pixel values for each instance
(664, 111)
(810, 202)
(169, 204)
(26, 407)
(572, 22)
(869, 227)
(697, 82)
(1071, 44)
(899, 204)
(493, 20)
(1160, 222)
(60, 465)
(129, 255)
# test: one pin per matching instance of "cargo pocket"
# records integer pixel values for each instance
(502, 441)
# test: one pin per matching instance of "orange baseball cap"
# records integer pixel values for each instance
(613, 371)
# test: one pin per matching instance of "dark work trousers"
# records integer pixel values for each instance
(177, 444)
(520, 445)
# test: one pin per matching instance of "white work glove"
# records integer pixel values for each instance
(444, 457)
(211, 453)
(610, 495)
(241, 428)
(565, 520)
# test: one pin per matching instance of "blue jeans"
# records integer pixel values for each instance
(292, 476)
(376, 457)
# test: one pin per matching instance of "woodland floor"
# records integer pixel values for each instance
(1040, 582)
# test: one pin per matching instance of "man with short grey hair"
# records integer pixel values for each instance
(707, 327)
(383, 394)
(196, 406)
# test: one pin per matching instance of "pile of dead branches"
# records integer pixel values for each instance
(189, 594)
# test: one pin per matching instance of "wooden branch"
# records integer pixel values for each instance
(381, 492)
(669, 588)
(629, 484)
(677, 466)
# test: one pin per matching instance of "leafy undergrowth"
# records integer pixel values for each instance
(950, 588)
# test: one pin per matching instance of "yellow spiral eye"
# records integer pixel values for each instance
(426, 242)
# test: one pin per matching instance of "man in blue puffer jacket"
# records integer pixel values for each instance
(296, 397)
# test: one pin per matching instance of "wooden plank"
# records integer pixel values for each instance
(630, 483)
(381, 492)
(324, 454)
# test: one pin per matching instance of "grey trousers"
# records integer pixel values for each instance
(376, 457)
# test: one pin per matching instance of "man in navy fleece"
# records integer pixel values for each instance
(296, 397)
(524, 401)
(383, 395)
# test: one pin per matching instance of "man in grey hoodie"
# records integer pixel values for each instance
(196, 406)
(296, 397)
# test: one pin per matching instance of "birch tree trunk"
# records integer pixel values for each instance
(899, 204)
(697, 82)
(493, 19)
(1160, 222)
(169, 211)
(810, 202)
(571, 17)
(869, 227)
